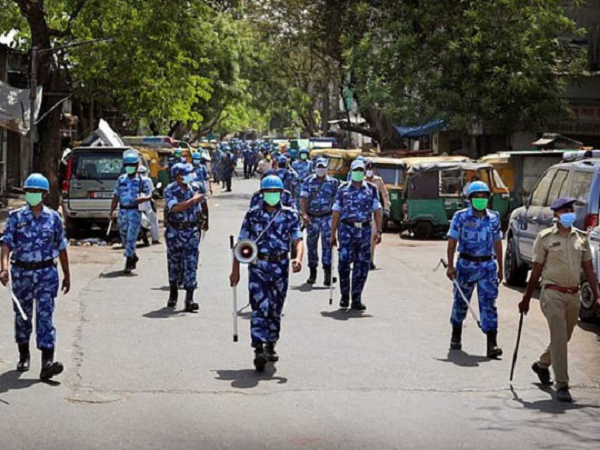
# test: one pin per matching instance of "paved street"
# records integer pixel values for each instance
(139, 376)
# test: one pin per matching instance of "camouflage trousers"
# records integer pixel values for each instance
(40, 286)
(130, 222)
(485, 276)
(319, 227)
(268, 285)
(355, 251)
(183, 250)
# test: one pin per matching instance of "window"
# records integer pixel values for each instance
(451, 182)
(581, 184)
(558, 185)
(390, 175)
(540, 193)
(99, 166)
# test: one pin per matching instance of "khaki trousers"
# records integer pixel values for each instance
(562, 313)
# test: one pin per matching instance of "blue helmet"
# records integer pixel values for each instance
(304, 151)
(477, 186)
(271, 182)
(181, 169)
(196, 156)
(37, 181)
(282, 159)
(131, 157)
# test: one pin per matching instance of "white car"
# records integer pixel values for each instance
(589, 308)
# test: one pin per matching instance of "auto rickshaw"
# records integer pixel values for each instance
(436, 190)
(339, 160)
(393, 171)
(153, 159)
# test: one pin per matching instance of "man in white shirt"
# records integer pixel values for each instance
(148, 207)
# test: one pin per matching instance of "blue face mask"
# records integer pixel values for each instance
(567, 219)
(187, 179)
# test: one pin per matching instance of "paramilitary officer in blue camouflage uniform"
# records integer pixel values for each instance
(476, 231)
(288, 176)
(34, 237)
(303, 168)
(201, 174)
(318, 195)
(271, 226)
(129, 193)
(356, 203)
(176, 159)
(186, 218)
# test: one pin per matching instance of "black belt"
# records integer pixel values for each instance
(34, 265)
(272, 257)
(129, 208)
(366, 224)
(183, 225)
(323, 214)
(477, 259)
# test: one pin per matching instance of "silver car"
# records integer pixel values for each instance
(87, 190)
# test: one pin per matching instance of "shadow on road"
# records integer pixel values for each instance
(249, 378)
(591, 328)
(308, 288)
(117, 274)
(164, 313)
(11, 380)
(463, 359)
(550, 406)
(345, 314)
(162, 288)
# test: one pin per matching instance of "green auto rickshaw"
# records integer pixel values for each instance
(394, 172)
(436, 190)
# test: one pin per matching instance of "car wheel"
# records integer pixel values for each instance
(514, 274)
(423, 230)
(588, 309)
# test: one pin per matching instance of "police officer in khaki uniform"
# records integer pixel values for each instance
(559, 255)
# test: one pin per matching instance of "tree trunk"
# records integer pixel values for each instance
(51, 81)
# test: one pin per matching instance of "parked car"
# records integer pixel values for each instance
(89, 183)
(578, 177)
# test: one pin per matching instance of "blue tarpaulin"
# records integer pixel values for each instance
(420, 130)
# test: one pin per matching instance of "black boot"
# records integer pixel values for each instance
(271, 352)
(456, 340)
(345, 301)
(493, 351)
(24, 356)
(358, 306)
(327, 280)
(134, 261)
(49, 367)
(260, 359)
(313, 275)
(190, 304)
(128, 268)
(173, 294)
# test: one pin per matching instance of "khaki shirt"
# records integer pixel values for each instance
(561, 256)
(378, 181)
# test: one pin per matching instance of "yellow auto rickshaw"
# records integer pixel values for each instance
(339, 160)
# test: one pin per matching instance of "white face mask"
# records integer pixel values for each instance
(321, 171)
(370, 174)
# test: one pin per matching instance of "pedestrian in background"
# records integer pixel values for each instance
(385, 197)
(33, 239)
(476, 231)
(187, 218)
(356, 204)
(129, 193)
(560, 254)
(318, 196)
(149, 207)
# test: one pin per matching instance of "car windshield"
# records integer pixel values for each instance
(99, 166)
(390, 175)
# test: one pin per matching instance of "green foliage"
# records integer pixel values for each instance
(503, 64)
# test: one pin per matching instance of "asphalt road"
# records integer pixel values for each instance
(140, 376)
